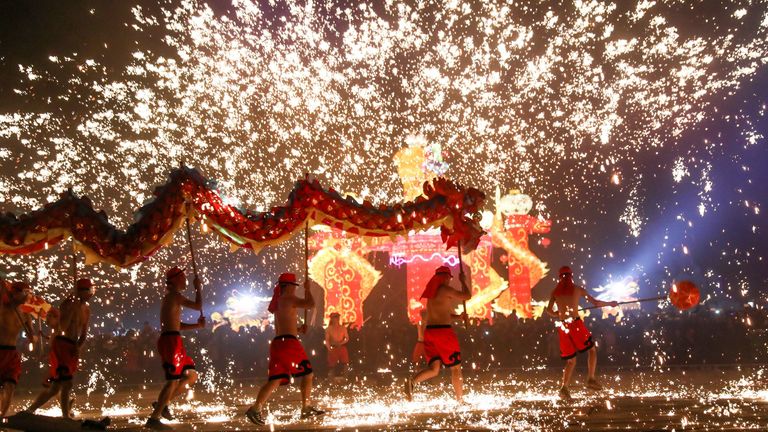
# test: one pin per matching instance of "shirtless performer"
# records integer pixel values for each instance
(179, 368)
(440, 342)
(72, 329)
(574, 336)
(287, 358)
(12, 321)
(336, 338)
(418, 349)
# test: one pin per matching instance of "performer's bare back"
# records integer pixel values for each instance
(568, 305)
(285, 316)
(10, 324)
(440, 308)
(170, 310)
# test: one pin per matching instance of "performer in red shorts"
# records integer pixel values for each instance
(179, 368)
(440, 343)
(574, 336)
(12, 321)
(287, 359)
(65, 348)
(336, 338)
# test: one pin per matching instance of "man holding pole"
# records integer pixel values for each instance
(11, 323)
(440, 343)
(64, 356)
(574, 336)
(179, 368)
(287, 358)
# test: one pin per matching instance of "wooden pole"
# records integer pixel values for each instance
(628, 302)
(461, 272)
(192, 253)
(306, 264)
(74, 264)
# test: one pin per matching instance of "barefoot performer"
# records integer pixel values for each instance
(440, 342)
(336, 338)
(574, 336)
(64, 356)
(179, 368)
(12, 321)
(287, 358)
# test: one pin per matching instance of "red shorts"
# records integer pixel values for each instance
(440, 343)
(418, 353)
(10, 364)
(574, 338)
(287, 359)
(338, 355)
(173, 355)
(63, 359)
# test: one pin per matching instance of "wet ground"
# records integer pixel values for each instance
(690, 399)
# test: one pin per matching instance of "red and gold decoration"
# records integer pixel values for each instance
(346, 277)
(512, 226)
(189, 195)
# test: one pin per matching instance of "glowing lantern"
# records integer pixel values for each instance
(684, 295)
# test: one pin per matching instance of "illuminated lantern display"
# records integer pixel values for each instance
(511, 228)
(410, 162)
(346, 277)
(421, 253)
(487, 285)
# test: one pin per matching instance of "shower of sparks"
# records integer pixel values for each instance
(557, 103)
(589, 105)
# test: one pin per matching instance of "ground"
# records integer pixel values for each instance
(689, 398)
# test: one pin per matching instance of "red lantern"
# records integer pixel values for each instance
(684, 295)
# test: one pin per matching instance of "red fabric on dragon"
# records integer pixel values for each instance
(444, 204)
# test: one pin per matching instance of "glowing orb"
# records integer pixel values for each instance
(684, 295)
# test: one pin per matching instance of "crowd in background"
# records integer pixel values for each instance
(701, 336)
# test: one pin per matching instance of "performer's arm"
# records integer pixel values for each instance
(327, 339)
(596, 302)
(551, 307)
(308, 302)
(84, 329)
(345, 339)
(65, 315)
(4, 292)
(199, 324)
(465, 293)
(29, 328)
(198, 303)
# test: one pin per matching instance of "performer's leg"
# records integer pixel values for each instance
(7, 395)
(164, 397)
(591, 362)
(456, 379)
(306, 389)
(189, 378)
(264, 392)
(66, 390)
(570, 365)
(430, 372)
(44, 396)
